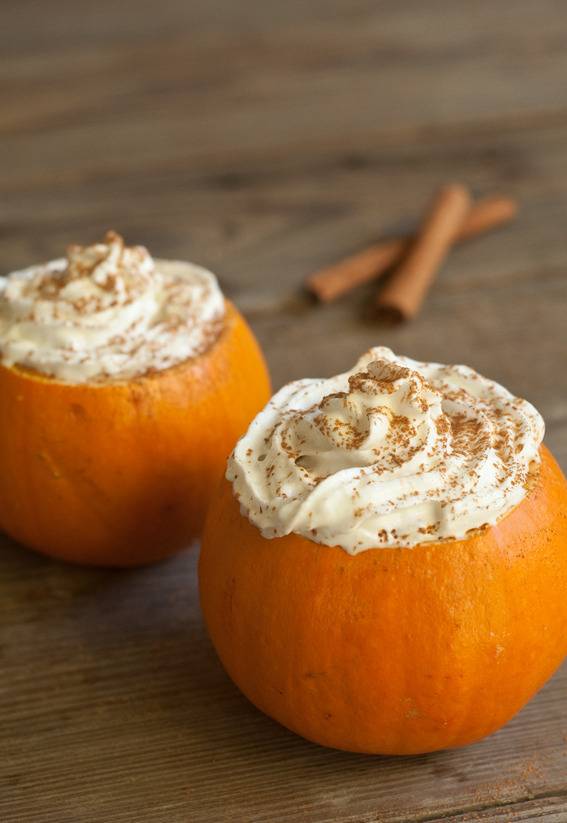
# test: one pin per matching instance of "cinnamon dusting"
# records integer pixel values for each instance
(393, 453)
(108, 313)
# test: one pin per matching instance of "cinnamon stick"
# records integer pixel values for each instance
(333, 281)
(403, 294)
(488, 214)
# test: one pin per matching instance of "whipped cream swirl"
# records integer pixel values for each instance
(107, 312)
(391, 453)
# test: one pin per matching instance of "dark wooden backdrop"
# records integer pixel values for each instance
(265, 139)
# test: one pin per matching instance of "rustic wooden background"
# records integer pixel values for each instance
(265, 139)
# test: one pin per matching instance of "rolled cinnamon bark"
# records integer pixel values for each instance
(333, 281)
(486, 215)
(403, 294)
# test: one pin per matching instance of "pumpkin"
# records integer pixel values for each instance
(120, 473)
(391, 651)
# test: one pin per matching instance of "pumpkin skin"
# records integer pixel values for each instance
(391, 651)
(121, 473)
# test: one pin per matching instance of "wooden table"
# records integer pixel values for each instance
(265, 139)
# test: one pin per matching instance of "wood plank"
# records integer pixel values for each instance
(113, 702)
(265, 229)
(199, 84)
(550, 809)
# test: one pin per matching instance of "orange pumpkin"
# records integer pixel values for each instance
(121, 473)
(391, 651)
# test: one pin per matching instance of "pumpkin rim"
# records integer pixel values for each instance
(532, 485)
(34, 375)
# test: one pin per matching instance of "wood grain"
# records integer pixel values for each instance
(267, 140)
(118, 710)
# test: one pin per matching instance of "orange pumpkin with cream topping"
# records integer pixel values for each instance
(391, 651)
(120, 473)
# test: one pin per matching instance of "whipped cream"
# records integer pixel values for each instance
(107, 312)
(393, 453)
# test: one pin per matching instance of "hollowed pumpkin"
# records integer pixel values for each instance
(392, 651)
(121, 473)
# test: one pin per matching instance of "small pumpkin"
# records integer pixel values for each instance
(120, 473)
(391, 651)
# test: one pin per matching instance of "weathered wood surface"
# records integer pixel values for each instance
(266, 139)
(116, 709)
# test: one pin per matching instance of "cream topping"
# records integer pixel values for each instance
(107, 312)
(391, 453)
